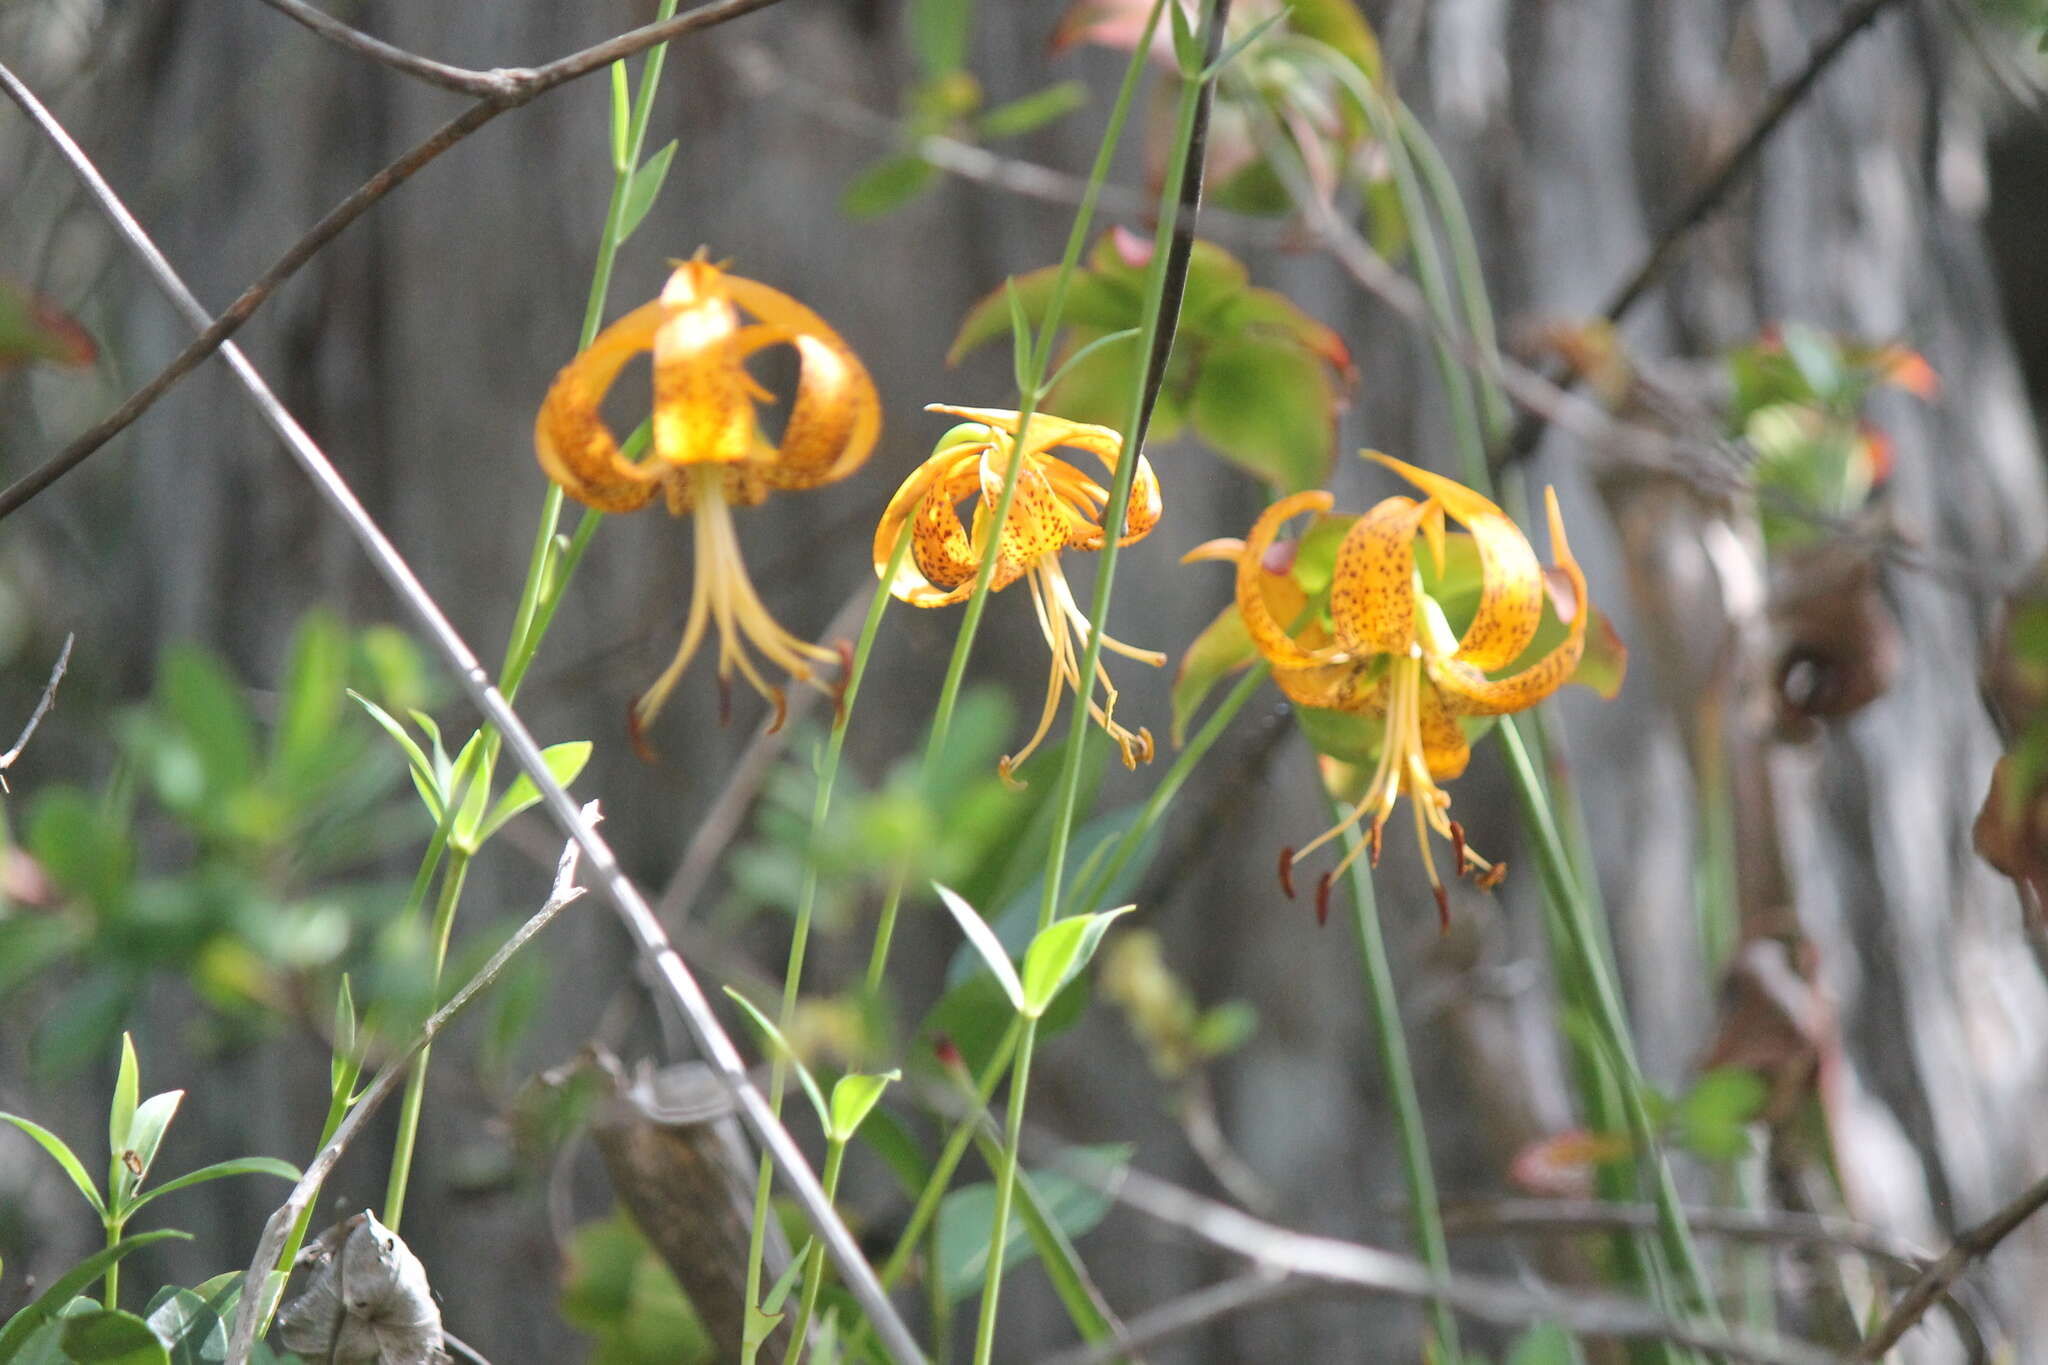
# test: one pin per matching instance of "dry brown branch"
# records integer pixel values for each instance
(1971, 1246)
(525, 86)
(35, 718)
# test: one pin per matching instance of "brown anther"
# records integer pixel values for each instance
(781, 701)
(637, 736)
(1443, 908)
(1492, 877)
(1458, 848)
(724, 701)
(1323, 900)
(1372, 841)
(1287, 872)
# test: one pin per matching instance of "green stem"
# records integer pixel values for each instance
(337, 1110)
(934, 1191)
(1091, 893)
(112, 1299)
(806, 910)
(1423, 1205)
(1006, 1189)
(1165, 279)
(1609, 1017)
(416, 1080)
(814, 1264)
(1041, 353)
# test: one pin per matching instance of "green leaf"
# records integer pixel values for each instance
(145, 1135)
(1092, 301)
(887, 186)
(1243, 40)
(308, 711)
(84, 848)
(1226, 1028)
(781, 1044)
(127, 1094)
(423, 775)
(1035, 110)
(1545, 1344)
(938, 34)
(241, 1165)
(1059, 952)
(206, 705)
(1224, 647)
(886, 1136)
(69, 1285)
(188, 1326)
(32, 327)
(1187, 45)
(967, 1214)
(988, 946)
(64, 1157)
(469, 787)
(1713, 1117)
(1270, 408)
(853, 1097)
(1081, 355)
(564, 760)
(344, 1066)
(644, 188)
(1021, 340)
(112, 1338)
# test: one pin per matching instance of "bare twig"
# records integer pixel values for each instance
(1971, 1246)
(564, 893)
(667, 972)
(35, 718)
(525, 85)
(1709, 196)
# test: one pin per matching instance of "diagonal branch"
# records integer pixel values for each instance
(42, 709)
(524, 86)
(1708, 197)
(1971, 1246)
(665, 967)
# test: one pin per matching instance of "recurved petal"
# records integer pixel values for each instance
(1147, 505)
(1038, 524)
(1349, 687)
(575, 447)
(1267, 631)
(834, 422)
(1467, 692)
(922, 499)
(1372, 587)
(1047, 431)
(1511, 593)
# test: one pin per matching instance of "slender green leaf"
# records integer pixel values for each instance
(63, 1156)
(127, 1094)
(311, 703)
(938, 34)
(644, 188)
(887, 186)
(206, 704)
(564, 760)
(68, 1286)
(1035, 110)
(145, 1135)
(853, 1096)
(343, 1067)
(1243, 40)
(987, 944)
(1082, 353)
(423, 775)
(1058, 954)
(1021, 341)
(781, 1044)
(622, 117)
(241, 1165)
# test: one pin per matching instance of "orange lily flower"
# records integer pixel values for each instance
(709, 452)
(1057, 507)
(1388, 649)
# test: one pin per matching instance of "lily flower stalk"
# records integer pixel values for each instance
(710, 453)
(1388, 649)
(1056, 507)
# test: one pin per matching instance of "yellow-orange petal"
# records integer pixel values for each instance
(1467, 692)
(1224, 549)
(909, 503)
(576, 449)
(834, 422)
(1372, 588)
(1038, 522)
(1511, 592)
(703, 399)
(1268, 633)
(1445, 750)
(1347, 687)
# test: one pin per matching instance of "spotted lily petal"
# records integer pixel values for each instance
(1511, 596)
(703, 398)
(1268, 632)
(1373, 599)
(576, 449)
(1467, 692)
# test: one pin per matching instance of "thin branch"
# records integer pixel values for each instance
(215, 332)
(666, 969)
(564, 893)
(1970, 1247)
(1708, 197)
(483, 84)
(35, 718)
(1211, 1303)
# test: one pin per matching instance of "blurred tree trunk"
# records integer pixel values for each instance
(416, 347)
